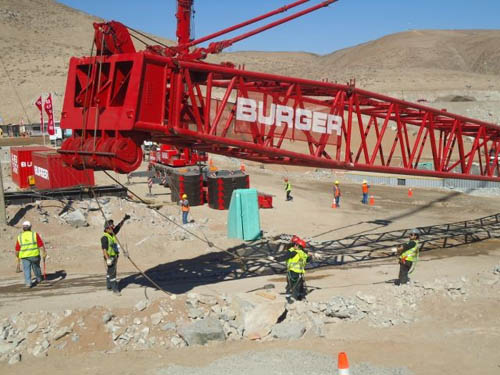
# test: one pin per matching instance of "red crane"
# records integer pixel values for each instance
(120, 97)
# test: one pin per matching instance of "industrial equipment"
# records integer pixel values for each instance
(120, 97)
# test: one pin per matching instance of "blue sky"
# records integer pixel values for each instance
(343, 24)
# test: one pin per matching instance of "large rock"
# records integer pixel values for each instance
(76, 219)
(256, 316)
(202, 331)
(289, 330)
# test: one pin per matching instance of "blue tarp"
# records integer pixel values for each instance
(243, 219)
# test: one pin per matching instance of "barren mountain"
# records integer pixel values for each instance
(37, 38)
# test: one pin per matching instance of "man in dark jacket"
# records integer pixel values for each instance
(408, 256)
(110, 251)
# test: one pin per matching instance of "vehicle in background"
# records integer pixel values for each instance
(59, 135)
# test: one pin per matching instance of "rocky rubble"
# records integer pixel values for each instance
(201, 319)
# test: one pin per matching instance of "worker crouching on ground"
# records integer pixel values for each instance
(184, 203)
(296, 269)
(336, 194)
(29, 247)
(364, 190)
(408, 256)
(111, 251)
(288, 190)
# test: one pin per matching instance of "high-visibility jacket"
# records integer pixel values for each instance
(28, 244)
(364, 187)
(298, 262)
(288, 186)
(336, 191)
(112, 244)
(185, 205)
(410, 255)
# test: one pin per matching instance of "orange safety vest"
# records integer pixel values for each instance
(365, 188)
(337, 191)
(185, 205)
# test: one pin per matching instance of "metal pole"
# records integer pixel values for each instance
(3, 215)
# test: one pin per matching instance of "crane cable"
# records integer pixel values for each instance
(209, 243)
(96, 125)
(15, 90)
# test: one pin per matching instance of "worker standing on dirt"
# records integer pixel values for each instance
(184, 203)
(29, 247)
(336, 194)
(364, 190)
(296, 269)
(288, 190)
(111, 251)
(408, 256)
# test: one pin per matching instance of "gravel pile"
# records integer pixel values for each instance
(282, 362)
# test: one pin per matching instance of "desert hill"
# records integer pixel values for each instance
(37, 38)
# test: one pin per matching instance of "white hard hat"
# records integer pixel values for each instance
(26, 224)
(365, 182)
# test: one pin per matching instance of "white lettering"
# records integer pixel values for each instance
(301, 118)
(334, 123)
(269, 120)
(246, 110)
(284, 115)
(319, 122)
(41, 172)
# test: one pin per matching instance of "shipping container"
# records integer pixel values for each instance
(21, 163)
(51, 173)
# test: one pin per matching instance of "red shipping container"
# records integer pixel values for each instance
(21, 163)
(52, 173)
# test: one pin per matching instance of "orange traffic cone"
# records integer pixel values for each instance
(410, 192)
(334, 205)
(343, 364)
(372, 200)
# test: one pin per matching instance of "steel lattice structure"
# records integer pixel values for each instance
(120, 97)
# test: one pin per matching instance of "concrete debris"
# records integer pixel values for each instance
(15, 358)
(289, 330)
(202, 331)
(75, 218)
(156, 318)
(62, 332)
(107, 317)
(31, 328)
(496, 270)
(170, 326)
(141, 305)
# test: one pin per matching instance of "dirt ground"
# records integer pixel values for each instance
(449, 336)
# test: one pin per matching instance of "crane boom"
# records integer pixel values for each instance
(121, 97)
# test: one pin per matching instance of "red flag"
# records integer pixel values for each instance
(38, 103)
(50, 114)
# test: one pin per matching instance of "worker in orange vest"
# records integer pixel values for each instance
(336, 194)
(364, 189)
(184, 203)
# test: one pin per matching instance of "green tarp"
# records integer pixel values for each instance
(243, 219)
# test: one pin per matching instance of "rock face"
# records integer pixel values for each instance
(202, 331)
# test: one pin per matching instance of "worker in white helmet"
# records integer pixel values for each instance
(184, 203)
(29, 248)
